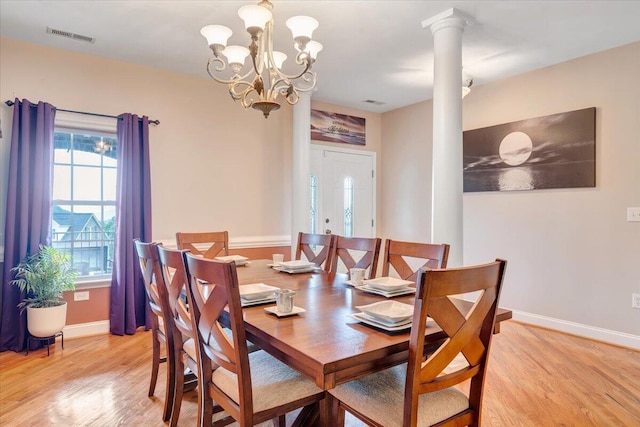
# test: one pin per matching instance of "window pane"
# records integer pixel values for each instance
(109, 184)
(61, 182)
(87, 149)
(62, 147)
(86, 183)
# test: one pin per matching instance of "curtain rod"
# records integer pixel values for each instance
(153, 122)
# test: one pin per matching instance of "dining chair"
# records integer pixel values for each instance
(317, 248)
(398, 255)
(422, 392)
(161, 334)
(365, 249)
(207, 244)
(185, 366)
(251, 387)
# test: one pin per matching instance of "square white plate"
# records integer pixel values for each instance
(274, 310)
(387, 283)
(259, 301)
(296, 270)
(238, 259)
(296, 264)
(366, 320)
(256, 291)
(388, 311)
(387, 294)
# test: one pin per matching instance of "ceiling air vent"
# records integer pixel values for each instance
(69, 35)
(371, 101)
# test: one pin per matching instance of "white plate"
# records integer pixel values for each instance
(297, 270)
(388, 311)
(238, 259)
(350, 283)
(362, 318)
(274, 310)
(391, 294)
(249, 303)
(385, 323)
(256, 291)
(297, 264)
(387, 283)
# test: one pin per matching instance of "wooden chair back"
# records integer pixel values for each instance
(344, 248)
(207, 245)
(468, 334)
(220, 306)
(175, 278)
(317, 248)
(153, 284)
(397, 252)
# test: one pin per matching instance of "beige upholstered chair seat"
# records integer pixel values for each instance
(273, 382)
(381, 397)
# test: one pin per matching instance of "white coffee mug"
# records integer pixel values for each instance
(278, 258)
(357, 275)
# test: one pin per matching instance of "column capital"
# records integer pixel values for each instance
(449, 18)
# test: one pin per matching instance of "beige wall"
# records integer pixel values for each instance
(572, 255)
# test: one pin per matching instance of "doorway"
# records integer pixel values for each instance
(343, 191)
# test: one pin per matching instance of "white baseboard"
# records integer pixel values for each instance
(600, 334)
(86, 329)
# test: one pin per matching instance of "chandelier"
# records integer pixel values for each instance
(264, 83)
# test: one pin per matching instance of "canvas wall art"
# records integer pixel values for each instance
(333, 127)
(555, 151)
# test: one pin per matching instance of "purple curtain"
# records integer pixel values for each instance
(28, 222)
(128, 309)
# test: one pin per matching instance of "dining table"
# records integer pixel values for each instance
(324, 343)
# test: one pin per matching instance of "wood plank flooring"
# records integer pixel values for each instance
(536, 377)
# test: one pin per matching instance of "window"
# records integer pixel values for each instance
(348, 207)
(84, 198)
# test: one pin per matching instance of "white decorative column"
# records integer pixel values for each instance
(301, 169)
(446, 196)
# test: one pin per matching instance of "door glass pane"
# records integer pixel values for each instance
(348, 207)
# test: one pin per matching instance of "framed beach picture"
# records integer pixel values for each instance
(555, 151)
(334, 127)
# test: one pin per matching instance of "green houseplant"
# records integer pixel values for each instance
(44, 276)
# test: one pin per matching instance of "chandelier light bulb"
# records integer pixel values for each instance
(313, 47)
(278, 58)
(302, 28)
(254, 16)
(216, 34)
(236, 54)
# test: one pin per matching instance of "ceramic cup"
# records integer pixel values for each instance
(284, 300)
(357, 275)
(278, 258)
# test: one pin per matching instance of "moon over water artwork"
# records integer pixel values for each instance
(555, 151)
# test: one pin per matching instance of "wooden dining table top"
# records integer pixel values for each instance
(323, 343)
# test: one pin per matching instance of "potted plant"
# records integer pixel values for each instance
(44, 276)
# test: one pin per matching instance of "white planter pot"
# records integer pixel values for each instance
(46, 322)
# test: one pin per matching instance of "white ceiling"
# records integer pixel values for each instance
(373, 50)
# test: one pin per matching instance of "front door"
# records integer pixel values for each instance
(343, 192)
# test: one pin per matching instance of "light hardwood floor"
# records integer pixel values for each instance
(536, 378)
